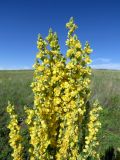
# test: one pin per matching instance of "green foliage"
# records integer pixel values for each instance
(13, 84)
(106, 87)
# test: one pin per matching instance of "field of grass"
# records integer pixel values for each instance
(15, 87)
(106, 87)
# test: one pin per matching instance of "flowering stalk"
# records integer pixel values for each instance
(61, 93)
(93, 128)
(15, 137)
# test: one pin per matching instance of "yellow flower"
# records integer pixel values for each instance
(39, 44)
(65, 85)
(84, 150)
(43, 124)
(73, 93)
(81, 101)
(57, 91)
(70, 65)
(66, 98)
(39, 55)
(69, 52)
(46, 61)
(87, 60)
(32, 158)
(78, 54)
(40, 68)
(88, 50)
(78, 45)
(57, 100)
(53, 44)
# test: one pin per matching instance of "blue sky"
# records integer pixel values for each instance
(21, 20)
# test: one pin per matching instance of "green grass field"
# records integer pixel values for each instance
(15, 87)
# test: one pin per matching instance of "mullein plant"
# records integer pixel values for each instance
(15, 137)
(62, 124)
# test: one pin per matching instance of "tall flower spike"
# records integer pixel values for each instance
(49, 71)
(87, 48)
(52, 39)
(71, 26)
(15, 137)
(91, 137)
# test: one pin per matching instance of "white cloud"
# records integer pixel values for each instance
(101, 60)
(16, 68)
(104, 63)
(115, 66)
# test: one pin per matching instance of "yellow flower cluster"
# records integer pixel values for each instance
(61, 91)
(61, 94)
(15, 137)
(93, 128)
(44, 122)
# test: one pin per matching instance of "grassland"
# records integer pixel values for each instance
(105, 85)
